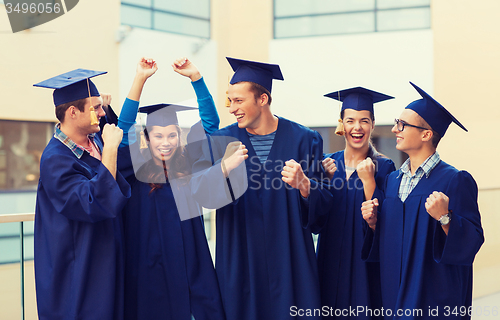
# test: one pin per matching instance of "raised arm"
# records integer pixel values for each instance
(145, 69)
(208, 111)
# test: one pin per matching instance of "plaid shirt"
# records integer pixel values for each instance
(76, 149)
(409, 182)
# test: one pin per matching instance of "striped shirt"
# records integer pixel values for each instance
(409, 182)
(75, 148)
(262, 144)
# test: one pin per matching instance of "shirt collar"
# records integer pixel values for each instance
(427, 166)
(75, 148)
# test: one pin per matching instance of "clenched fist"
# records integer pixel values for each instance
(293, 175)
(236, 153)
(186, 68)
(366, 170)
(369, 212)
(112, 136)
(437, 204)
(329, 166)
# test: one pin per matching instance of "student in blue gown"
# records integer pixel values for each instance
(265, 260)
(428, 228)
(347, 281)
(169, 272)
(78, 236)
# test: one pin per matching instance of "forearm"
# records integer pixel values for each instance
(208, 111)
(109, 157)
(369, 188)
(127, 120)
(136, 89)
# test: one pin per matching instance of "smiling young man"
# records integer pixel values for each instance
(265, 260)
(429, 229)
(79, 197)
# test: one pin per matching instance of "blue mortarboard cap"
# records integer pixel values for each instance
(358, 98)
(258, 72)
(433, 112)
(163, 114)
(72, 86)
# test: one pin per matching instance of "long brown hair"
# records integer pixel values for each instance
(179, 164)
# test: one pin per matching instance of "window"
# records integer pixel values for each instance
(21, 147)
(305, 18)
(187, 17)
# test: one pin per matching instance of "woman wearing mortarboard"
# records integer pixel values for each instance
(346, 281)
(169, 272)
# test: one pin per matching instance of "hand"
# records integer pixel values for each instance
(112, 136)
(366, 170)
(437, 204)
(106, 99)
(146, 68)
(330, 167)
(369, 212)
(293, 175)
(236, 153)
(186, 68)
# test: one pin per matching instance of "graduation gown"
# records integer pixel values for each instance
(169, 273)
(78, 236)
(265, 260)
(421, 267)
(346, 281)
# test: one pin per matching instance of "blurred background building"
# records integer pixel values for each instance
(451, 49)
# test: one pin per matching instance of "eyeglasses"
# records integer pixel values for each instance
(401, 125)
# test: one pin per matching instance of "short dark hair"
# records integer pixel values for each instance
(259, 90)
(61, 109)
(436, 137)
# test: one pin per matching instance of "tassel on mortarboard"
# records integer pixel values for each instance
(93, 117)
(144, 144)
(340, 128)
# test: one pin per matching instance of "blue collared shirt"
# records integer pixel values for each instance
(76, 149)
(409, 182)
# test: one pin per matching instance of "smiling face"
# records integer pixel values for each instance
(358, 126)
(411, 140)
(163, 142)
(244, 106)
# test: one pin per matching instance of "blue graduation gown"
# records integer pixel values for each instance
(421, 267)
(169, 273)
(78, 236)
(265, 260)
(346, 281)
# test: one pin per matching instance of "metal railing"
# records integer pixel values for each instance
(21, 218)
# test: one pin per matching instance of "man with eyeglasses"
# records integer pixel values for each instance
(424, 226)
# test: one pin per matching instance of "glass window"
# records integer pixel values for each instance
(403, 19)
(285, 8)
(183, 25)
(390, 4)
(21, 147)
(136, 17)
(299, 18)
(142, 3)
(188, 17)
(196, 8)
(325, 25)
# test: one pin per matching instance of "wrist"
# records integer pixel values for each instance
(195, 77)
(305, 187)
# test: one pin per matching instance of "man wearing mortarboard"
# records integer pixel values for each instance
(428, 229)
(265, 260)
(80, 196)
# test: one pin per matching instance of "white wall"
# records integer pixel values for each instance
(383, 62)
(166, 86)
